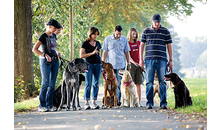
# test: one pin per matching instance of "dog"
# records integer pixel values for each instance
(181, 92)
(129, 95)
(157, 86)
(71, 82)
(110, 85)
(57, 93)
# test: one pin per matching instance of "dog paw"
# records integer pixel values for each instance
(116, 107)
(79, 108)
(67, 109)
(74, 108)
(104, 107)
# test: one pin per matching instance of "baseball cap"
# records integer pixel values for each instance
(156, 18)
(54, 23)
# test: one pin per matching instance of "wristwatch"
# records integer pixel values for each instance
(44, 54)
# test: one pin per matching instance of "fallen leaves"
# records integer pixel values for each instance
(83, 120)
(121, 116)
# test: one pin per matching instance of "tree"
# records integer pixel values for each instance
(23, 57)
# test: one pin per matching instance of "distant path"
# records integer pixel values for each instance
(108, 119)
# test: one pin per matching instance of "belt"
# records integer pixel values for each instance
(54, 58)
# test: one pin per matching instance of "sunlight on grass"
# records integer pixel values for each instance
(198, 92)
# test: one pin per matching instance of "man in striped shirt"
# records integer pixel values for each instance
(157, 39)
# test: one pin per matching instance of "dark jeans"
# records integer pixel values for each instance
(49, 76)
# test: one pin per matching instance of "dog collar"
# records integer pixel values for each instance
(127, 83)
(177, 84)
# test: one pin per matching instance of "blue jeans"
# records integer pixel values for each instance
(160, 67)
(116, 71)
(49, 76)
(92, 75)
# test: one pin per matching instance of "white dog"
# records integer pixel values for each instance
(129, 95)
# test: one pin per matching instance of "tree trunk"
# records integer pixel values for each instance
(23, 56)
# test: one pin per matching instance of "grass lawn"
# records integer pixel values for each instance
(198, 92)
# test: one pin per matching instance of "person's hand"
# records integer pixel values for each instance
(141, 63)
(48, 58)
(95, 51)
(60, 55)
(170, 66)
(136, 64)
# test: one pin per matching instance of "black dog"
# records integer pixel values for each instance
(182, 94)
(71, 82)
(57, 93)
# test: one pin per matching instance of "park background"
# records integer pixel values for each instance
(31, 16)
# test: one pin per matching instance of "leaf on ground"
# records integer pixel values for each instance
(119, 111)
(111, 128)
(20, 123)
(24, 127)
(121, 116)
(96, 113)
(96, 127)
(113, 115)
(188, 126)
(83, 119)
(183, 125)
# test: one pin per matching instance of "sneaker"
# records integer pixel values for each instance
(140, 104)
(94, 105)
(149, 106)
(42, 109)
(52, 109)
(87, 106)
(163, 107)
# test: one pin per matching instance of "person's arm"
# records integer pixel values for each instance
(84, 55)
(36, 51)
(59, 53)
(104, 55)
(141, 50)
(127, 56)
(170, 52)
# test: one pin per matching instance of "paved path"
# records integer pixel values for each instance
(107, 119)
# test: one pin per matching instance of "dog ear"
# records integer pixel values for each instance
(110, 66)
(177, 77)
(71, 67)
(76, 61)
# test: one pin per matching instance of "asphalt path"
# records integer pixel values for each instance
(108, 119)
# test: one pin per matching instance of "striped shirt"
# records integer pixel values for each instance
(156, 41)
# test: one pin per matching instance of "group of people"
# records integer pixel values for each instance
(119, 51)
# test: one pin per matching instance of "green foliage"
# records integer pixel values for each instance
(19, 89)
(103, 14)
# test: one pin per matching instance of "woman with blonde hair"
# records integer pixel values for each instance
(90, 50)
(136, 70)
(49, 65)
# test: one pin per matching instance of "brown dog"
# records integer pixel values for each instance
(110, 85)
(157, 86)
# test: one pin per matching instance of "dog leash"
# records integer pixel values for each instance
(61, 63)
